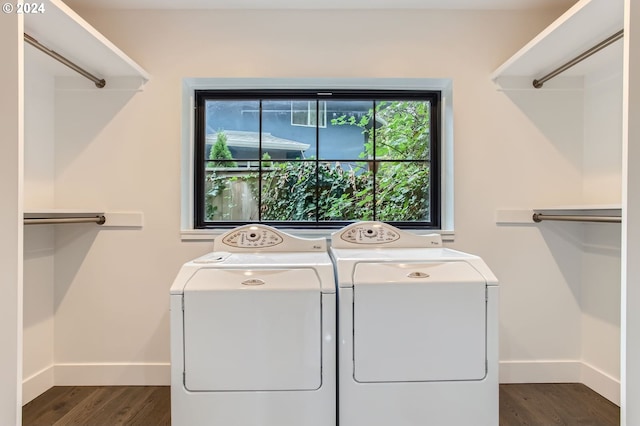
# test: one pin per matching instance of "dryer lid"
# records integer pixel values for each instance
(369, 273)
(418, 322)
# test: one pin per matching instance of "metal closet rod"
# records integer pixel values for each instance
(537, 83)
(539, 217)
(99, 82)
(100, 220)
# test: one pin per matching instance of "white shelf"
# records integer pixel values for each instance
(586, 24)
(62, 30)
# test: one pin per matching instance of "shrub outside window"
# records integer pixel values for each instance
(373, 155)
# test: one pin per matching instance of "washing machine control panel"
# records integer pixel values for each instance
(370, 234)
(252, 237)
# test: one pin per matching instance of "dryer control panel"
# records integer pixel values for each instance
(380, 234)
(369, 233)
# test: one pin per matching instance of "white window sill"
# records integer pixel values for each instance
(210, 234)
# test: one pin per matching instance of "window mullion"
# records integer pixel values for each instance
(374, 164)
(260, 161)
(317, 168)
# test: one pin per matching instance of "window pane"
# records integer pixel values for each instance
(322, 106)
(231, 129)
(312, 114)
(402, 191)
(345, 191)
(345, 138)
(402, 130)
(281, 140)
(231, 193)
(305, 113)
(300, 113)
(289, 192)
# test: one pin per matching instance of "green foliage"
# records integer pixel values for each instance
(406, 132)
(220, 151)
(402, 131)
(402, 192)
(266, 160)
(402, 188)
(215, 185)
(289, 193)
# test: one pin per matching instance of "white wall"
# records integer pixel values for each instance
(533, 157)
(600, 290)
(39, 144)
(124, 153)
(630, 292)
(37, 372)
(39, 240)
(600, 305)
(603, 133)
(11, 149)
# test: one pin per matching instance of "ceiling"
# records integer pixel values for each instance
(324, 4)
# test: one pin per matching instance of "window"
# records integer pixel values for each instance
(304, 113)
(263, 156)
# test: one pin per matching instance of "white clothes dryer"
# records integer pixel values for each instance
(253, 333)
(417, 333)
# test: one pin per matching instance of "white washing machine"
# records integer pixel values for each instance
(253, 333)
(417, 333)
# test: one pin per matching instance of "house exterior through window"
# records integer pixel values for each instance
(316, 159)
(306, 113)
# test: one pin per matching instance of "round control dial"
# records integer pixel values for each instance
(252, 236)
(370, 233)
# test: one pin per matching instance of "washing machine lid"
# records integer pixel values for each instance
(257, 279)
(419, 322)
(252, 330)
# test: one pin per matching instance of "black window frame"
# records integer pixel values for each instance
(435, 161)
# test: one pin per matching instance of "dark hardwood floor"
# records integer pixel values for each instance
(100, 406)
(569, 404)
(521, 404)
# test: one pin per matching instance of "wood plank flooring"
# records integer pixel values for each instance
(520, 404)
(569, 404)
(100, 406)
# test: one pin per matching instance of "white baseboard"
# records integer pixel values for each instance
(113, 374)
(555, 371)
(601, 382)
(159, 374)
(561, 371)
(37, 384)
